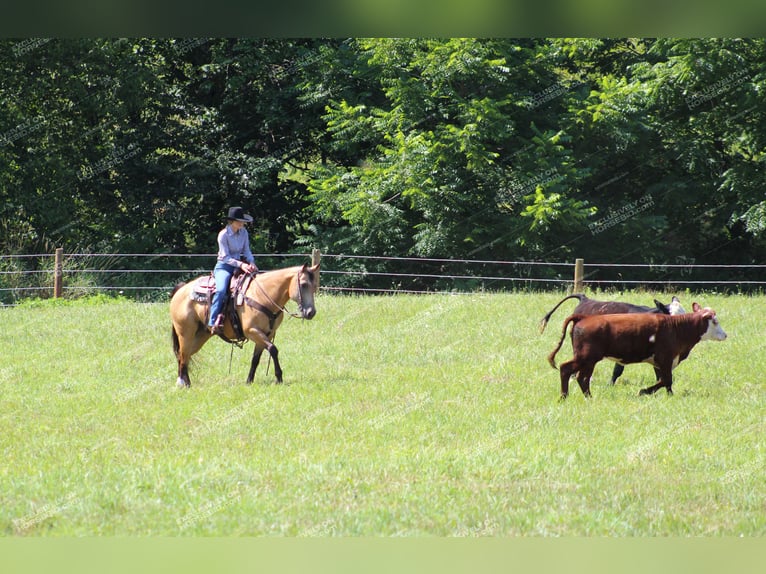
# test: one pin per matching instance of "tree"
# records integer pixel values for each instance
(612, 149)
(440, 153)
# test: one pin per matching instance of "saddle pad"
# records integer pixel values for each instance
(202, 288)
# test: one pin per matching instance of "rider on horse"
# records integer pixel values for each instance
(233, 253)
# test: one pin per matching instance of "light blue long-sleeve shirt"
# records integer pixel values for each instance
(234, 247)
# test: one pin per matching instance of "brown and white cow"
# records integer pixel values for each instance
(588, 306)
(661, 340)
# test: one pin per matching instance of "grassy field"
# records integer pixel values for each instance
(400, 416)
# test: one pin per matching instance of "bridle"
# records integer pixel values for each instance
(281, 307)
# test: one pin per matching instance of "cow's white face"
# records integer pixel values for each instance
(714, 331)
(675, 307)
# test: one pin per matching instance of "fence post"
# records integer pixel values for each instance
(578, 274)
(316, 258)
(58, 273)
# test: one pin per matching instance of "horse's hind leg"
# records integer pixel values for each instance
(187, 346)
(183, 375)
(183, 365)
(182, 357)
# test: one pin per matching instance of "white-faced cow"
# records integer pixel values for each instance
(661, 340)
(588, 306)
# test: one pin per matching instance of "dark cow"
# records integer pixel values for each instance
(592, 307)
(661, 340)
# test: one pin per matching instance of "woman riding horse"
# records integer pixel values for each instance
(233, 253)
(260, 314)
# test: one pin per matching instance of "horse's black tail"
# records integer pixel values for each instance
(176, 288)
(544, 321)
(173, 334)
(176, 342)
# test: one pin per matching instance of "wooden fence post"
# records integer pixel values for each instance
(316, 258)
(58, 273)
(578, 274)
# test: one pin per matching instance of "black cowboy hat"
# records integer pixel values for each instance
(238, 214)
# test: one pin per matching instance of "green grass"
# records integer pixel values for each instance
(399, 416)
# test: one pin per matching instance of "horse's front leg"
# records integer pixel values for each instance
(272, 348)
(262, 341)
(254, 363)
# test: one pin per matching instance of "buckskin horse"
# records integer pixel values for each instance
(260, 313)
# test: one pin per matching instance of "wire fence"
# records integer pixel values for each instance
(152, 276)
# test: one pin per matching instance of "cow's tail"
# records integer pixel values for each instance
(544, 321)
(571, 319)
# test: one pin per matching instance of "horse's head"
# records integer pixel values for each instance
(302, 289)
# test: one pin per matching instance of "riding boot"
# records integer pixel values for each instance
(217, 327)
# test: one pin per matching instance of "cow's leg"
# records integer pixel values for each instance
(665, 380)
(566, 370)
(668, 381)
(618, 369)
(254, 363)
(651, 390)
(583, 378)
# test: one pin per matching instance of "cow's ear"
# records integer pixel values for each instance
(696, 307)
(662, 307)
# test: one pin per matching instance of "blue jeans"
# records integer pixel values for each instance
(222, 273)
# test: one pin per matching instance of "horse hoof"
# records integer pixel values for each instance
(181, 384)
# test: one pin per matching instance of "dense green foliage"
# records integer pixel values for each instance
(399, 416)
(617, 150)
